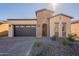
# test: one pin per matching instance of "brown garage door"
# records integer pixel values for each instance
(24, 30)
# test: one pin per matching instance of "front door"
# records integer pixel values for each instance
(44, 30)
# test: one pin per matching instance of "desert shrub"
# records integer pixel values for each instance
(49, 48)
(45, 51)
(37, 44)
(54, 37)
(65, 41)
(71, 37)
(69, 40)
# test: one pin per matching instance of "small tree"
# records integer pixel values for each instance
(71, 37)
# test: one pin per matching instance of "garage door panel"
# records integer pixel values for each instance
(25, 30)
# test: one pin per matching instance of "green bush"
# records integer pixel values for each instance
(71, 37)
(49, 48)
(65, 41)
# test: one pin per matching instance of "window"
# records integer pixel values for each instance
(28, 26)
(64, 29)
(17, 26)
(56, 29)
(63, 26)
(33, 26)
(21, 26)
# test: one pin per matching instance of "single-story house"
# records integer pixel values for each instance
(46, 24)
(75, 27)
(3, 28)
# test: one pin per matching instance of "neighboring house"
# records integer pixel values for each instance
(3, 28)
(75, 27)
(46, 24)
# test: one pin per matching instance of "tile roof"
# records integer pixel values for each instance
(63, 15)
(75, 21)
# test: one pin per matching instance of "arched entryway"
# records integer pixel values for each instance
(44, 30)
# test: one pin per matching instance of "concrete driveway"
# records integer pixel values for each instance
(16, 46)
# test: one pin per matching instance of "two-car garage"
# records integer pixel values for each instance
(22, 27)
(24, 30)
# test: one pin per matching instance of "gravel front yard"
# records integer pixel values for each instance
(54, 48)
(31, 46)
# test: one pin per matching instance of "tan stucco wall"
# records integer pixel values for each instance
(75, 28)
(18, 22)
(42, 18)
(40, 22)
(21, 22)
(59, 19)
(44, 14)
(11, 31)
(4, 27)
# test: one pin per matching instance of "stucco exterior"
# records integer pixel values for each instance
(75, 27)
(12, 22)
(4, 27)
(43, 16)
(60, 19)
(21, 21)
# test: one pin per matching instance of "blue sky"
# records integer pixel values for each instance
(27, 10)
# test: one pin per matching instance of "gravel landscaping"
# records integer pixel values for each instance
(54, 48)
(31, 46)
